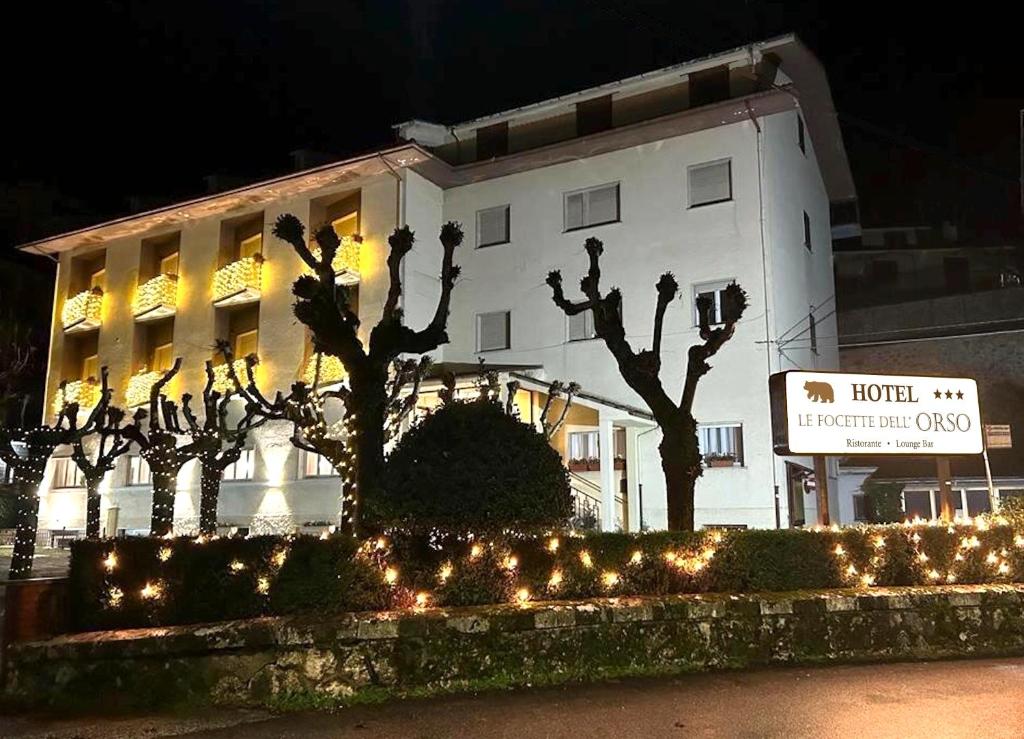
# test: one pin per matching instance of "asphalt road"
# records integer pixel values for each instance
(938, 699)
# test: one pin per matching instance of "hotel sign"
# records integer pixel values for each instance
(837, 413)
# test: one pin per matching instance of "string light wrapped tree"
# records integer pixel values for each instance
(29, 468)
(323, 306)
(680, 454)
(306, 409)
(216, 441)
(110, 445)
(157, 440)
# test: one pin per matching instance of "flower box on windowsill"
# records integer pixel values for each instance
(156, 298)
(238, 282)
(82, 312)
(721, 461)
(346, 260)
(584, 465)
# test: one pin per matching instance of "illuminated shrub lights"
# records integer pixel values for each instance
(331, 370)
(157, 296)
(82, 311)
(84, 392)
(222, 378)
(214, 579)
(139, 385)
(346, 261)
(237, 279)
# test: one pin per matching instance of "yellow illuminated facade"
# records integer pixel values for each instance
(156, 297)
(331, 370)
(83, 311)
(238, 281)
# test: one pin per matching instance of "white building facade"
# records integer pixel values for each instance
(718, 170)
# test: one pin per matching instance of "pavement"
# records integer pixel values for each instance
(934, 699)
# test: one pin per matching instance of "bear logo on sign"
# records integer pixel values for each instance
(820, 392)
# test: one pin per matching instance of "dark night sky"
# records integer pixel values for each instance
(114, 99)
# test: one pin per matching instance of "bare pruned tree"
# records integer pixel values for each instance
(680, 454)
(111, 444)
(323, 306)
(26, 452)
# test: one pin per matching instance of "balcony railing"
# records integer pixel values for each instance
(222, 378)
(139, 385)
(331, 370)
(346, 261)
(84, 392)
(156, 298)
(238, 282)
(82, 312)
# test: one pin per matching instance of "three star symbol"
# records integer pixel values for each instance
(949, 394)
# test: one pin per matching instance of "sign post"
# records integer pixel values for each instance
(947, 508)
(821, 489)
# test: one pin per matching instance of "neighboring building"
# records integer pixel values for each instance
(719, 169)
(918, 301)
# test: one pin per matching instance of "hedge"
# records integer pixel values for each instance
(142, 582)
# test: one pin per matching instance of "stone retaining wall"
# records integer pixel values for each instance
(300, 662)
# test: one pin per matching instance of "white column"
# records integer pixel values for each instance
(633, 477)
(607, 442)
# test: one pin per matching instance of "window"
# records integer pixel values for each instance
(807, 232)
(885, 271)
(138, 471)
(245, 343)
(592, 207)
(163, 358)
(492, 141)
(721, 309)
(860, 507)
(978, 502)
(90, 368)
(66, 474)
(710, 183)
(492, 226)
(917, 504)
(317, 465)
(493, 331)
(98, 279)
(250, 246)
(244, 468)
(584, 445)
(346, 225)
(721, 442)
(581, 326)
(593, 116)
(169, 264)
(801, 135)
(709, 86)
(813, 327)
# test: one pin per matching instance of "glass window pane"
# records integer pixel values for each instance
(603, 205)
(493, 329)
(574, 210)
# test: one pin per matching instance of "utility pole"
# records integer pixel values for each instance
(947, 509)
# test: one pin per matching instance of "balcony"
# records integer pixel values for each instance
(156, 298)
(139, 385)
(238, 283)
(84, 392)
(346, 261)
(332, 371)
(82, 312)
(222, 379)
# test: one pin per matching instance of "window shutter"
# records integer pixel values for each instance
(494, 330)
(169, 264)
(346, 225)
(574, 210)
(245, 344)
(492, 226)
(710, 183)
(581, 326)
(98, 279)
(162, 358)
(91, 368)
(250, 246)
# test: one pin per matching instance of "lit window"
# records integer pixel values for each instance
(244, 468)
(138, 471)
(98, 279)
(90, 368)
(592, 207)
(317, 465)
(163, 358)
(246, 343)
(721, 443)
(493, 331)
(581, 326)
(584, 445)
(710, 183)
(66, 474)
(169, 264)
(721, 309)
(492, 226)
(347, 225)
(251, 246)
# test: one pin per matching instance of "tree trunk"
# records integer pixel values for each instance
(209, 491)
(27, 524)
(165, 485)
(367, 446)
(680, 461)
(92, 507)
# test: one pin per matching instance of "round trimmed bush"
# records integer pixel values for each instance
(471, 467)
